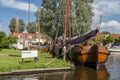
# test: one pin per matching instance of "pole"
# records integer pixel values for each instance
(67, 19)
(28, 11)
(17, 22)
(100, 21)
(28, 21)
(39, 26)
(66, 28)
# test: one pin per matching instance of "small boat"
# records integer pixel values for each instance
(89, 56)
(114, 50)
(43, 48)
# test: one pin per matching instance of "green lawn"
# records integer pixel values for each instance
(9, 63)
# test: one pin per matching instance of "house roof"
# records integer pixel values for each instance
(116, 36)
(100, 35)
(26, 35)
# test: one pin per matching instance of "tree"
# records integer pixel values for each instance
(12, 39)
(31, 28)
(4, 41)
(84, 15)
(47, 17)
(109, 39)
(2, 35)
(105, 32)
(13, 25)
(21, 26)
(53, 17)
(60, 17)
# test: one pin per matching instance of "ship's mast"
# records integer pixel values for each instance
(17, 22)
(67, 19)
(39, 25)
(28, 11)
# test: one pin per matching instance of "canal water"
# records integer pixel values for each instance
(109, 71)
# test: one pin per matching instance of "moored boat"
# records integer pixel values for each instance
(89, 56)
(114, 50)
(45, 49)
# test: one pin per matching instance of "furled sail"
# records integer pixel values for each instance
(82, 38)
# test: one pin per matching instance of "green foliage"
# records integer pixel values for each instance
(61, 17)
(13, 25)
(101, 40)
(2, 35)
(4, 41)
(21, 25)
(47, 17)
(31, 28)
(109, 39)
(12, 39)
(53, 17)
(93, 43)
(84, 15)
(105, 32)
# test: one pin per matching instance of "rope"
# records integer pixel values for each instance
(45, 65)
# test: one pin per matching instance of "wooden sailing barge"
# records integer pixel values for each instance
(89, 56)
(85, 55)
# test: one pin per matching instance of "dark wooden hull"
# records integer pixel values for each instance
(89, 56)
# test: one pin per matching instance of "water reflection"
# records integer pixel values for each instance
(80, 73)
(42, 76)
(84, 73)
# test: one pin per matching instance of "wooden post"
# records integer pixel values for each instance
(17, 22)
(67, 19)
(39, 25)
(66, 28)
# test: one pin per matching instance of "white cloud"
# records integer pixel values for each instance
(105, 7)
(111, 26)
(18, 5)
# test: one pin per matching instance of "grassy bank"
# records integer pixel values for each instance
(9, 62)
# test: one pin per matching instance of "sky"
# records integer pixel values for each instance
(9, 9)
(109, 9)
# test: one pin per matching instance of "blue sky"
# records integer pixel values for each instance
(110, 9)
(9, 9)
